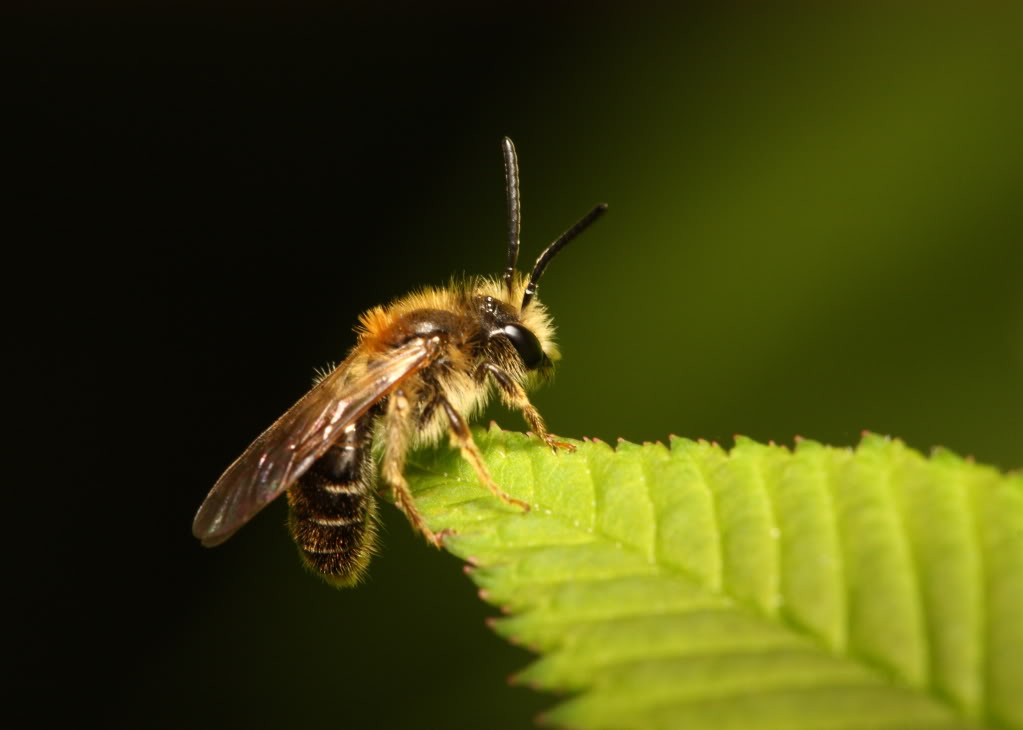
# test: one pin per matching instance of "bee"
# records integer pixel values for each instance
(421, 367)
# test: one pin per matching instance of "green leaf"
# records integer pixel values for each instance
(753, 588)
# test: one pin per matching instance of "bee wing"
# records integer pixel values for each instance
(297, 439)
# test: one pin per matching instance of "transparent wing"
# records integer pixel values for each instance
(297, 439)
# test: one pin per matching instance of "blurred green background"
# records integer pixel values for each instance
(815, 228)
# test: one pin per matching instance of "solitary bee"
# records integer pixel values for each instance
(421, 366)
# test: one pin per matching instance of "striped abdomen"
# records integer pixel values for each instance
(333, 509)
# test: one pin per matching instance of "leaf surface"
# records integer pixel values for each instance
(759, 587)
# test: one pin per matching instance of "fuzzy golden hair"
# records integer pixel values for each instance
(455, 298)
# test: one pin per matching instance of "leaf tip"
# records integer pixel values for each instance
(743, 441)
(623, 444)
(802, 444)
(946, 455)
(871, 440)
(676, 441)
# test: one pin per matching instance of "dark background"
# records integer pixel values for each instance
(815, 228)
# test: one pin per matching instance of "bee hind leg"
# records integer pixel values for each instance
(462, 438)
(397, 426)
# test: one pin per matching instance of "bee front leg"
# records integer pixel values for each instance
(515, 396)
(397, 428)
(462, 438)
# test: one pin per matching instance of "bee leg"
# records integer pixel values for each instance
(516, 397)
(462, 438)
(397, 422)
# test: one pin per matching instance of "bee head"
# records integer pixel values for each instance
(528, 333)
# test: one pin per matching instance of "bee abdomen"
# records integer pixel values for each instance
(333, 512)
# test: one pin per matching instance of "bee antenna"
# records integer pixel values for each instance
(511, 195)
(545, 258)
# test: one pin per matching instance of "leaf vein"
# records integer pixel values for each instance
(844, 624)
(914, 574)
(644, 475)
(776, 600)
(718, 579)
(983, 637)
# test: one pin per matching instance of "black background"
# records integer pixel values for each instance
(203, 200)
(208, 196)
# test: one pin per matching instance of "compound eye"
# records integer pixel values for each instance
(526, 345)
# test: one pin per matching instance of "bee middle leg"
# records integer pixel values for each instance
(397, 431)
(515, 396)
(462, 438)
